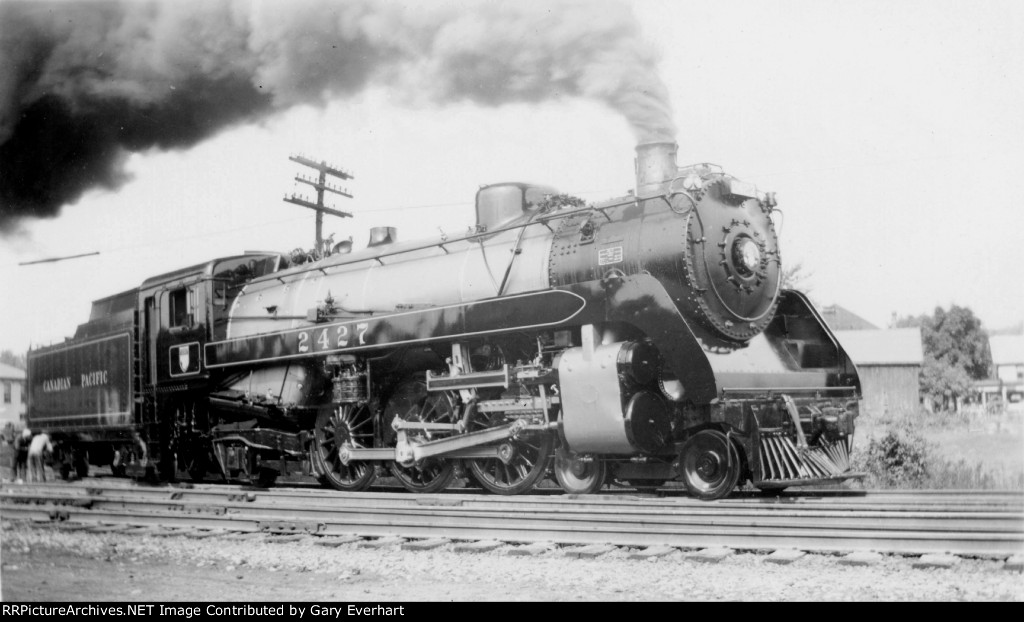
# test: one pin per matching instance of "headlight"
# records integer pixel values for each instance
(746, 255)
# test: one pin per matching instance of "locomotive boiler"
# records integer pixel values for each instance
(636, 341)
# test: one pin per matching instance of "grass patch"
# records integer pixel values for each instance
(948, 450)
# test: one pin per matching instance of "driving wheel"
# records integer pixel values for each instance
(521, 461)
(412, 402)
(348, 426)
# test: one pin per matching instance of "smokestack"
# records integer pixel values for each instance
(655, 165)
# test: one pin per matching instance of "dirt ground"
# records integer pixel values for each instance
(41, 564)
(48, 575)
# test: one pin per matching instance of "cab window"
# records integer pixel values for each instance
(496, 205)
(231, 275)
(501, 204)
(180, 307)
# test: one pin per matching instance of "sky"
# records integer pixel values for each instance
(891, 132)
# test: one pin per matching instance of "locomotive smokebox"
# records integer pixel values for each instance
(655, 165)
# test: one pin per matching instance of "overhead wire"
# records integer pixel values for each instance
(215, 232)
(607, 192)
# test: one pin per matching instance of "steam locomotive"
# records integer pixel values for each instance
(636, 341)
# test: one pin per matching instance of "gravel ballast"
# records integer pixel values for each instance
(40, 563)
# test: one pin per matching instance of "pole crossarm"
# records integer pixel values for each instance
(320, 208)
(323, 167)
(312, 182)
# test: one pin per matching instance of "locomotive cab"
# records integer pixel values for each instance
(182, 310)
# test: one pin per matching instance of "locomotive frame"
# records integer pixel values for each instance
(638, 340)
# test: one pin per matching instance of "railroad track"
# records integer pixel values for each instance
(965, 523)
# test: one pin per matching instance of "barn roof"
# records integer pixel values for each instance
(893, 346)
(1007, 349)
(8, 372)
(839, 318)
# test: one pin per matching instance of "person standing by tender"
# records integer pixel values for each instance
(38, 453)
(20, 466)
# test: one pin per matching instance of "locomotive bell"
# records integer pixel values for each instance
(383, 235)
(343, 247)
(655, 165)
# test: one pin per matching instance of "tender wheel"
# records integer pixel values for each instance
(412, 402)
(150, 475)
(348, 426)
(710, 465)
(256, 474)
(265, 478)
(520, 464)
(194, 457)
(577, 475)
(197, 469)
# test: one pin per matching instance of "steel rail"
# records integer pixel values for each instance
(990, 501)
(696, 535)
(796, 494)
(626, 522)
(910, 520)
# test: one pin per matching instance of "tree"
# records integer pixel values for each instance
(794, 275)
(8, 357)
(956, 353)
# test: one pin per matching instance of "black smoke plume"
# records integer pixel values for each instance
(84, 84)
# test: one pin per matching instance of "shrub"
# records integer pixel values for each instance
(903, 459)
(897, 460)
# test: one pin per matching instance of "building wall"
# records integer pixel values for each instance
(889, 388)
(12, 411)
(1010, 373)
(1011, 386)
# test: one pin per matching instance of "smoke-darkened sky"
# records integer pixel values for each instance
(85, 84)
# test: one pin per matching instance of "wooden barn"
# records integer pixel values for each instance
(839, 318)
(1006, 386)
(889, 362)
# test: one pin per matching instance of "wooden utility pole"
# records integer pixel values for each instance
(321, 185)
